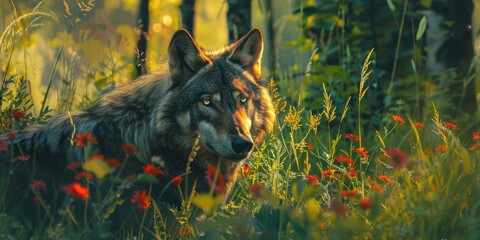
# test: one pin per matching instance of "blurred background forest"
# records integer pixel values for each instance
(69, 51)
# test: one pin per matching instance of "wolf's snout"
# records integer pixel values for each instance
(241, 145)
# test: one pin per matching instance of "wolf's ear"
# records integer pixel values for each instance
(248, 52)
(185, 57)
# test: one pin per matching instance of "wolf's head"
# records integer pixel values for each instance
(217, 95)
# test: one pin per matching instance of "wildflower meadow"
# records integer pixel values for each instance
(335, 167)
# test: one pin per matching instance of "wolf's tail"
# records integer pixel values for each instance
(40, 141)
(17, 143)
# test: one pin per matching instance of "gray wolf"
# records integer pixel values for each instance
(214, 96)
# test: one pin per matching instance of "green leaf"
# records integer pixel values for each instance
(146, 178)
(102, 83)
(99, 167)
(295, 192)
(312, 210)
(412, 62)
(465, 157)
(207, 202)
(421, 28)
(111, 209)
(391, 5)
(426, 3)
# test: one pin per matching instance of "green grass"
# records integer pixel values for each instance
(321, 174)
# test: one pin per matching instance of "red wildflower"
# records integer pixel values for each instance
(219, 183)
(142, 200)
(352, 137)
(112, 162)
(362, 152)
(74, 165)
(351, 167)
(385, 178)
(370, 180)
(3, 146)
(311, 179)
(398, 119)
(476, 135)
(258, 190)
(366, 204)
(399, 159)
(12, 135)
(38, 185)
(328, 172)
(309, 146)
(6, 123)
(419, 125)
(246, 169)
(83, 174)
(474, 147)
(97, 156)
(416, 178)
(352, 174)
(340, 209)
(450, 125)
(76, 189)
(21, 157)
(376, 188)
(177, 180)
(349, 193)
(154, 171)
(344, 159)
(129, 148)
(17, 114)
(427, 152)
(441, 148)
(434, 188)
(85, 139)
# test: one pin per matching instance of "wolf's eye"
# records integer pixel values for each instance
(206, 101)
(243, 99)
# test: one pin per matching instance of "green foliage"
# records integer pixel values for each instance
(16, 102)
(340, 33)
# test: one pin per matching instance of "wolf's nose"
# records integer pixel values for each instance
(241, 145)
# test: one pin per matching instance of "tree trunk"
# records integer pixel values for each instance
(187, 9)
(272, 63)
(142, 34)
(239, 17)
(476, 41)
(455, 50)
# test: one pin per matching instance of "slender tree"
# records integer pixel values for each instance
(272, 64)
(187, 9)
(142, 34)
(476, 42)
(453, 49)
(239, 17)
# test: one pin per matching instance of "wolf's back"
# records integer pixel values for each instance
(118, 117)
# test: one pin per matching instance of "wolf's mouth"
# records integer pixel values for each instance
(233, 157)
(236, 158)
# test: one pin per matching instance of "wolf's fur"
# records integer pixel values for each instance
(201, 94)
